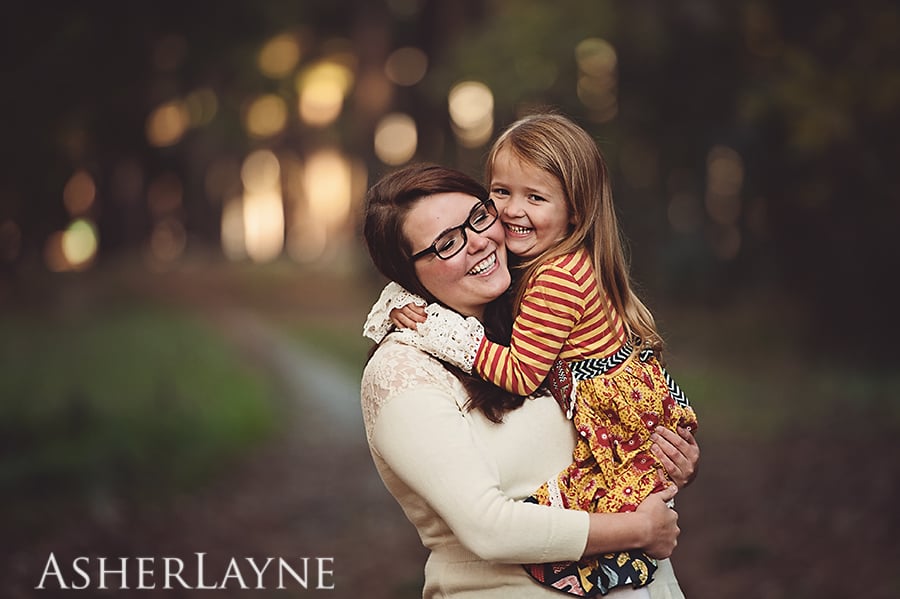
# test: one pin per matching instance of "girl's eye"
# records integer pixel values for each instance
(536, 198)
(499, 191)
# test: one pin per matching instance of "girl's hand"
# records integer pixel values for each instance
(408, 317)
(678, 453)
(662, 523)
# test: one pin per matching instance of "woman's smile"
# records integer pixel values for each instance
(484, 265)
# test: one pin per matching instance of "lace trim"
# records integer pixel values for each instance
(395, 368)
(447, 335)
(378, 322)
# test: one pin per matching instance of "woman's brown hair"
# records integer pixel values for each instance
(386, 206)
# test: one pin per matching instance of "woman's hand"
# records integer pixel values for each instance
(662, 523)
(408, 316)
(678, 453)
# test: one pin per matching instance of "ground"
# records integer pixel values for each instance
(807, 510)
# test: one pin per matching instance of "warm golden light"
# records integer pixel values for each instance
(471, 106)
(167, 123)
(263, 225)
(79, 193)
(266, 116)
(396, 139)
(327, 181)
(79, 243)
(322, 89)
(261, 172)
(232, 229)
(263, 207)
(279, 56)
(406, 66)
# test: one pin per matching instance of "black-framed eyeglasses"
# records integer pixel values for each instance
(452, 241)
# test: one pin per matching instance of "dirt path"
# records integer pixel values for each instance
(312, 491)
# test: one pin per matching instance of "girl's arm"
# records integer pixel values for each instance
(552, 306)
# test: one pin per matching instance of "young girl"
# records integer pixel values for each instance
(578, 327)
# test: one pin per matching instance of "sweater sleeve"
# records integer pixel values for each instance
(424, 437)
(551, 307)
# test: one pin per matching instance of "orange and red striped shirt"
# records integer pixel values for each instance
(561, 316)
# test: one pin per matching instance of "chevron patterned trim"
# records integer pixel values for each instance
(594, 367)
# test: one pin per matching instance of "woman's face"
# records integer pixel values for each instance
(475, 276)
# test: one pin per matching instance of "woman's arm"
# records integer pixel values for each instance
(678, 453)
(653, 528)
(424, 438)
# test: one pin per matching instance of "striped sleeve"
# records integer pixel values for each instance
(552, 306)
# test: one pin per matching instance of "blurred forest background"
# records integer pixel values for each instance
(183, 282)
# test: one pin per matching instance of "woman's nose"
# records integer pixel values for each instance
(477, 242)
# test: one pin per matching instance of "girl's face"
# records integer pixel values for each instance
(476, 275)
(532, 205)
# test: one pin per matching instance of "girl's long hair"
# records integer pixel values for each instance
(386, 206)
(556, 145)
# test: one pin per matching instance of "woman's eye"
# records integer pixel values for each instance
(479, 217)
(445, 245)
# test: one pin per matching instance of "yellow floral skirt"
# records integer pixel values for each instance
(617, 403)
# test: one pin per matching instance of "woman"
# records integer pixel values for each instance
(456, 452)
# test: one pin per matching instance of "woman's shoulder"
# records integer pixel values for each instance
(396, 368)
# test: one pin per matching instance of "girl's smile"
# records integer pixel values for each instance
(533, 206)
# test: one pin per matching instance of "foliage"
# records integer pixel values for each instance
(128, 401)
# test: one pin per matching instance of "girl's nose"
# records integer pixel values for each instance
(512, 207)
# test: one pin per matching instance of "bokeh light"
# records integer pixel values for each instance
(279, 56)
(406, 66)
(321, 89)
(396, 139)
(597, 79)
(232, 229)
(263, 207)
(327, 182)
(79, 193)
(79, 243)
(167, 124)
(471, 106)
(266, 116)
